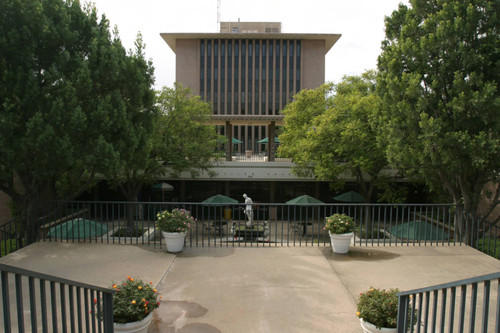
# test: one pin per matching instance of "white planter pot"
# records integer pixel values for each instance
(135, 326)
(174, 240)
(341, 242)
(370, 328)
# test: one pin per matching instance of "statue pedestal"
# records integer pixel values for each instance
(255, 233)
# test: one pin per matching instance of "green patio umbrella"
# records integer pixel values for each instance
(350, 196)
(163, 187)
(220, 199)
(417, 230)
(78, 228)
(266, 140)
(233, 140)
(304, 200)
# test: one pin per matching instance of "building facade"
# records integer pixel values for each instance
(249, 72)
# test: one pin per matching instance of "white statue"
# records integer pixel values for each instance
(248, 210)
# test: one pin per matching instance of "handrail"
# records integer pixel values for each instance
(289, 225)
(415, 308)
(10, 237)
(85, 300)
(476, 279)
(481, 234)
(43, 276)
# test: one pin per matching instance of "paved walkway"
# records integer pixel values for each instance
(283, 289)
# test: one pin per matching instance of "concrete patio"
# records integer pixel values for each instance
(257, 289)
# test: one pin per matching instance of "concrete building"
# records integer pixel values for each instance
(248, 72)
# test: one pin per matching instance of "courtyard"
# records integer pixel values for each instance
(257, 289)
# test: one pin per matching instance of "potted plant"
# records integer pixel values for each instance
(174, 224)
(341, 230)
(377, 310)
(133, 304)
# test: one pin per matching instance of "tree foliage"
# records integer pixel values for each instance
(69, 97)
(439, 76)
(329, 133)
(172, 137)
(187, 140)
(138, 163)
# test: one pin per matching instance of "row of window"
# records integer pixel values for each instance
(249, 76)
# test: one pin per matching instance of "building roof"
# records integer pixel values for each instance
(171, 38)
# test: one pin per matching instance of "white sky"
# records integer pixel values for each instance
(360, 22)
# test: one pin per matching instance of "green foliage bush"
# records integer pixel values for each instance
(133, 300)
(129, 232)
(177, 220)
(8, 246)
(379, 307)
(489, 246)
(339, 224)
(369, 233)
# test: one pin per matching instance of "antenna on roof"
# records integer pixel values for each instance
(218, 15)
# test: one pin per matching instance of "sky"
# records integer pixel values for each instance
(360, 22)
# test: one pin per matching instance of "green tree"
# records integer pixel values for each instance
(169, 138)
(138, 149)
(64, 89)
(298, 122)
(187, 139)
(329, 133)
(439, 78)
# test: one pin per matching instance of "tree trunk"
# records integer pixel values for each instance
(131, 192)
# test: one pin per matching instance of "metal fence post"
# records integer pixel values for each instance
(403, 302)
(108, 312)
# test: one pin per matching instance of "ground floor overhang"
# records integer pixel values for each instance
(263, 171)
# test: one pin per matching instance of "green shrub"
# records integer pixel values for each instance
(339, 224)
(489, 246)
(129, 232)
(133, 300)
(379, 307)
(177, 220)
(8, 246)
(374, 233)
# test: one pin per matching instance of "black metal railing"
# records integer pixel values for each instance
(480, 233)
(443, 308)
(253, 157)
(284, 225)
(11, 237)
(33, 302)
